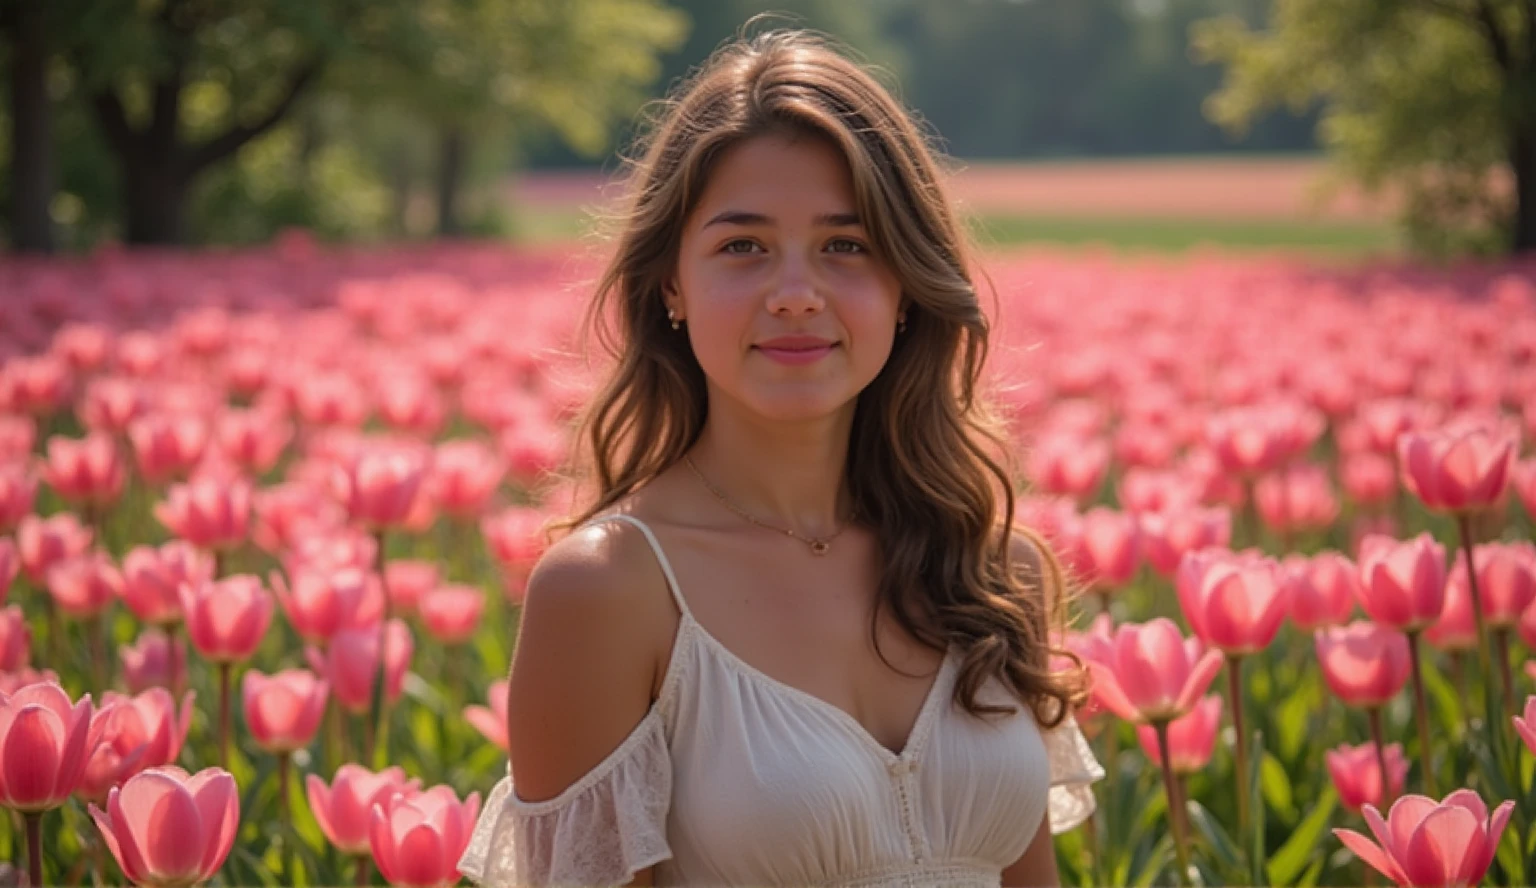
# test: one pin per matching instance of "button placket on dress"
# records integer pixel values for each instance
(904, 772)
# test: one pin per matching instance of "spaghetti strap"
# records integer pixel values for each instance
(661, 556)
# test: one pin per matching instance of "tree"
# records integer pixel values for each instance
(31, 119)
(1433, 98)
(177, 87)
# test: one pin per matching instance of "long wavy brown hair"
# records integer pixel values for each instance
(928, 465)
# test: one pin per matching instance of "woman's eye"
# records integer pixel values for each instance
(731, 247)
(849, 246)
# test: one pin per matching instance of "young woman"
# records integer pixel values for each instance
(796, 638)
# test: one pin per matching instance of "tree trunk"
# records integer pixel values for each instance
(156, 201)
(450, 170)
(32, 167)
(1522, 157)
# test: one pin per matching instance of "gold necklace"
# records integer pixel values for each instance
(819, 545)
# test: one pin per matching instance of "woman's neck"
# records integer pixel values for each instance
(784, 475)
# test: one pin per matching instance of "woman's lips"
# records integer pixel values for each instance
(797, 356)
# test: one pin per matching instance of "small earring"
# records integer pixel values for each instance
(901, 324)
(672, 316)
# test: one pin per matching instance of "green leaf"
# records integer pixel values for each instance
(1255, 838)
(1227, 856)
(1277, 787)
(1309, 878)
(1292, 722)
(1287, 862)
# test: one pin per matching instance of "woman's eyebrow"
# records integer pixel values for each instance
(741, 217)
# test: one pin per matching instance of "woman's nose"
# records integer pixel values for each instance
(796, 292)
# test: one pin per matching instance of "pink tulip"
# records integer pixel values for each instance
(452, 612)
(45, 741)
(147, 719)
(253, 439)
(227, 619)
(1457, 469)
(37, 385)
(465, 474)
(1356, 773)
(406, 581)
(17, 435)
(87, 471)
(110, 403)
(417, 839)
(1525, 724)
(283, 711)
(1191, 738)
(1384, 421)
(152, 661)
(1108, 550)
(1424, 842)
(1322, 589)
(331, 399)
(408, 402)
(321, 603)
(492, 720)
(169, 829)
(1151, 673)
(1257, 439)
(1456, 630)
(352, 661)
(107, 765)
(1069, 465)
(516, 540)
(1234, 602)
(84, 585)
(1297, 498)
(15, 640)
(288, 512)
(1166, 536)
(1506, 579)
(82, 345)
(1364, 664)
(1144, 490)
(43, 542)
(344, 808)
(1368, 478)
(167, 445)
(18, 491)
(533, 450)
(1402, 583)
(152, 578)
(379, 485)
(207, 512)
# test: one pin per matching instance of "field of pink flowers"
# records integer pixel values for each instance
(266, 516)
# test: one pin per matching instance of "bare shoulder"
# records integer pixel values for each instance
(586, 654)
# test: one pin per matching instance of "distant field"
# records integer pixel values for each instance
(1153, 204)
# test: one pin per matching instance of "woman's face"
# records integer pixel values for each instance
(775, 250)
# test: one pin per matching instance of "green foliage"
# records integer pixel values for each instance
(1413, 100)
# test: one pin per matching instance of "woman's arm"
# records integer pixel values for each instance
(1037, 866)
(584, 663)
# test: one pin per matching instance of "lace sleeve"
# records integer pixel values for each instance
(601, 830)
(1073, 770)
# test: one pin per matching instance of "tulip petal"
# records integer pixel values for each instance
(319, 796)
(1374, 856)
(421, 858)
(1200, 678)
(1106, 689)
(1439, 847)
(109, 838)
(1474, 873)
(30, 759)
(218, 806)
(382, 842)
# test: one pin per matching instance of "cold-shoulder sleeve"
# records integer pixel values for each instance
(1073, 771)
(601, 830)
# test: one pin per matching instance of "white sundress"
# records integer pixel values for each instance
(735, 778)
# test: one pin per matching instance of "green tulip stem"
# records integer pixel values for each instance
(1171, 790)
(1373, 717)
(34, 821)
(1235, 703)
(1420, 715)
(1464, 525)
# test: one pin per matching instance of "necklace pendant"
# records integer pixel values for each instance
(820, 547)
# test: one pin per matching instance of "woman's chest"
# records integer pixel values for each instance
(770, 789)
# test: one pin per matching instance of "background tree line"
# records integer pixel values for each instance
(207, 121)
